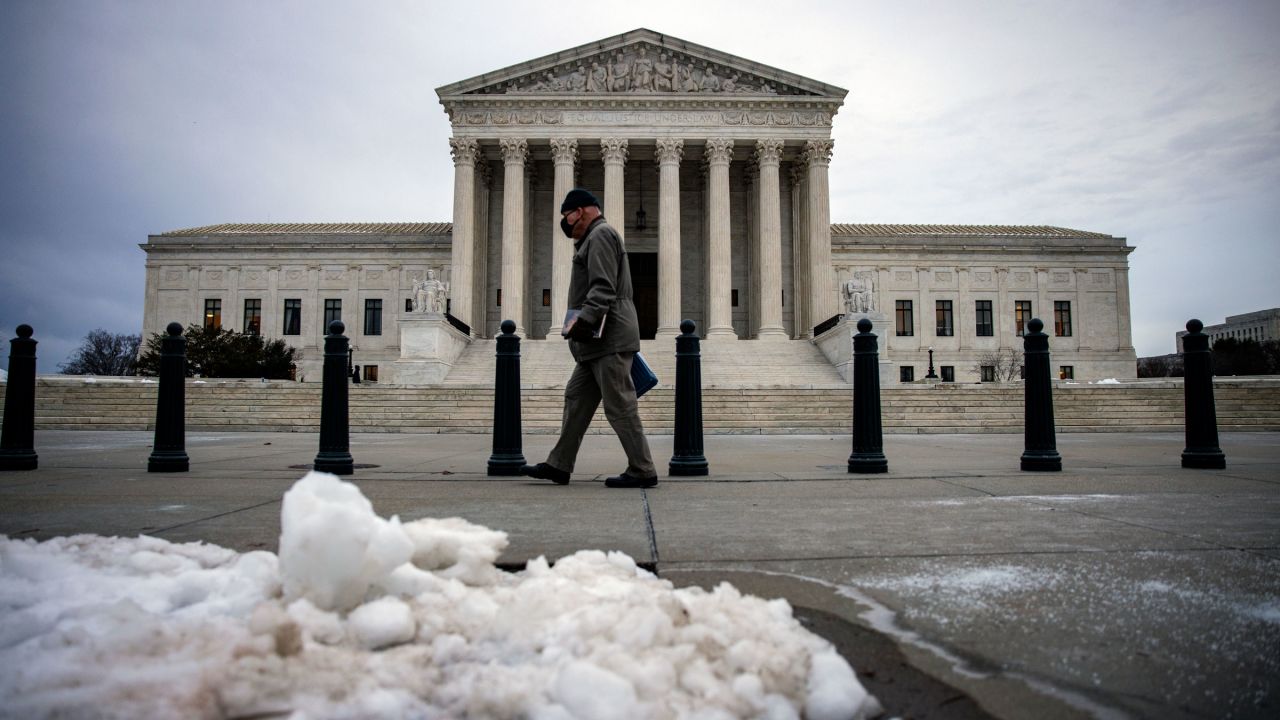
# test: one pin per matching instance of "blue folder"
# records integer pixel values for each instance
(642, 376)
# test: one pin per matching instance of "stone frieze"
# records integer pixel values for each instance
(657, 118)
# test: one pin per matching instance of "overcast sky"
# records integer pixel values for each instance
(1154, 121)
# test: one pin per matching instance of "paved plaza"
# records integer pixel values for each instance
(957, 585)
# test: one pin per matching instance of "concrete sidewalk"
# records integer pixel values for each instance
(1124, 586)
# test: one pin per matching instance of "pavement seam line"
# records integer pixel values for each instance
(214, 517)
(648, 526)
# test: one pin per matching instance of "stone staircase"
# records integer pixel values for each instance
(725, 363)
(129, 404)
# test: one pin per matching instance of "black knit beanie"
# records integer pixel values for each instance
(578, 198)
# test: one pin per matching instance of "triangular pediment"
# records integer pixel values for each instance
(642, 62)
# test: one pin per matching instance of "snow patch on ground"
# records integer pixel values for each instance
(362, 616)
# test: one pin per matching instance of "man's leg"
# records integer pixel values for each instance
(613, 373)
(581, 398)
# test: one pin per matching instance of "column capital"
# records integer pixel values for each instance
(768, 151)
(564, 151)
(614, 150)
(797, 174)
(514, 150)
(818, 152)
(670, 151)
(464, 151)
(719, 151)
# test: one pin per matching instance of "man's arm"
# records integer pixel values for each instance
(602, 273)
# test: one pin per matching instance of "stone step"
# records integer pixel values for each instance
(129, 404)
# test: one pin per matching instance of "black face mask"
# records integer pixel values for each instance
(566, 228)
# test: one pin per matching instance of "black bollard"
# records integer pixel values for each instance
(868, 435)
(1041, 453)
(335, 437)
(1201, 418)
(508, 450)
(169, 451)
(687, 458)
(17, 439)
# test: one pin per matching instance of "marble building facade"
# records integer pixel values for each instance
(725, 159)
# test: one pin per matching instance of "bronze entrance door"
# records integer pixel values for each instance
(644, 281)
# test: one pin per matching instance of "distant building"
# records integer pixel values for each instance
(1261, 326)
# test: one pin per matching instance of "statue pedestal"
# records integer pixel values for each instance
(837, 345)
(429, 347)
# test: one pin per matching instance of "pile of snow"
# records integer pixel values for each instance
(362, 616)
(4, 375)
(1107, 381)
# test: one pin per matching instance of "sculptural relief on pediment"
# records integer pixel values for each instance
(641, 68)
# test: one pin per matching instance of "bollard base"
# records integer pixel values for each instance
(1204, 460)
(168, 462)
(18, 460)
(694, 466)
(1042, 463)
(506, 464)
(867, 463)
(334, 463)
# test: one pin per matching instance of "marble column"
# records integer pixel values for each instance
(564, 153)
(768, 156)
(614, 153)
(751, 185)
(669, 152)
(1080, 311)
(1124, 327)
(515, 151)
(480, 299)
(719, 153)
(1005, 327)
(822, 303)
(800, 251)
(464, 152)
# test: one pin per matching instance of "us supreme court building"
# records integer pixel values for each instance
(715, 169)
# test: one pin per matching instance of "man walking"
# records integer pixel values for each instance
(603, 337)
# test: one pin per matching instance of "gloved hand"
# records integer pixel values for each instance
(581, 331)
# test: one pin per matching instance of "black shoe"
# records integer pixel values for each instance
(627, 481)
(543, 471)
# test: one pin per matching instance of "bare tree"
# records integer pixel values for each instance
(104, 353)
(1006, 361)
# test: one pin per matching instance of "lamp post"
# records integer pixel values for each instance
(931, 374)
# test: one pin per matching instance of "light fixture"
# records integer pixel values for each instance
(640, 213)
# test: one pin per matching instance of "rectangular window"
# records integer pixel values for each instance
(988, 373)
(733, 300)
(371, 373)
(212, 314)
(903, 317)
(332, 311)
(906, 374)
(546, 297)
(948, 373)
(1066, 372)
(499, 297)
(1021, 316)
(985, 324)
(943, 313)
(293, 317)
(253, 317)
(372, 317)
(1062, 318)
(408, 304)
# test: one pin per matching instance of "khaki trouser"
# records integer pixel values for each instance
(605, 378)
